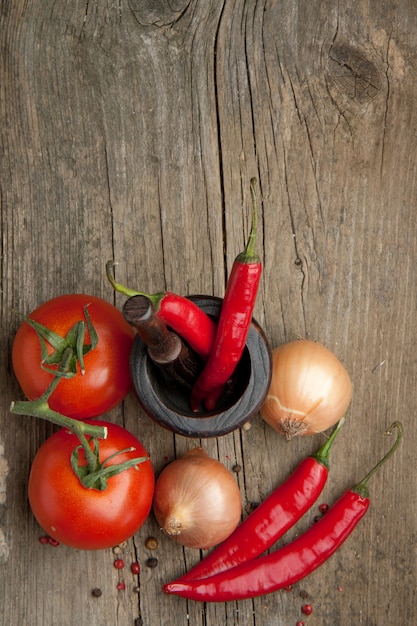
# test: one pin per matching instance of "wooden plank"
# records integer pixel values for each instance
(130, 131)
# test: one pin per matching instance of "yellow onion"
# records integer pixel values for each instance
(310, 389)
(197, 500)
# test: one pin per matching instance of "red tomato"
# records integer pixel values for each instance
(107, 377)
(83, 518)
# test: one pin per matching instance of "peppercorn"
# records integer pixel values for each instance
(307, 609)
(251, 506)
(119, 564)
(53, 542)
(96, 592)
(135, 567)
(152, 562)
(151, 543)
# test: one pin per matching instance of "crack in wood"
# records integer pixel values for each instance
(4, 470)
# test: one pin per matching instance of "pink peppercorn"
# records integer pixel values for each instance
(119, 564)
(53, 542)
(307, 609)
(135, 567)
(121, 586)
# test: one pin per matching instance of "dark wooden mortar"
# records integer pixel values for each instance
(169, 407)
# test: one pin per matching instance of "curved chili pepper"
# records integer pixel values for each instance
(293, 561)
(272, 518)
(234, 322)
(178, 312)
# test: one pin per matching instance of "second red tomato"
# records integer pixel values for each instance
(90, 519)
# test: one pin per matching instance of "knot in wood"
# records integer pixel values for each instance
(353, 73)
(158, 13)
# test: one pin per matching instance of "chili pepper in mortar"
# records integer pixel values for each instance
(293, 561)
(178, 364)
(179, 313)
(234, 321)
(273, 517)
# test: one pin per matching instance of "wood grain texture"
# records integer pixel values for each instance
(130, 130)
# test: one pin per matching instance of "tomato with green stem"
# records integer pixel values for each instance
(93, 503)
(79, 344)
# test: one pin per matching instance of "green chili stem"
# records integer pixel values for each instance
(126, 291)
(249, 255)
(362, 487)
(322, 454)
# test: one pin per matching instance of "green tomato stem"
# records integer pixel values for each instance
(40, 408)
(98, 479)
(91, 458)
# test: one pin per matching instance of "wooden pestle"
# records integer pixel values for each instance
(173, 357)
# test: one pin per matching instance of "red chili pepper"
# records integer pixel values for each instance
(234, 322)
(272, 518)
(178, 312)
(293, 561)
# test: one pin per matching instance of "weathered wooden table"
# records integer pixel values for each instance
(130, 130)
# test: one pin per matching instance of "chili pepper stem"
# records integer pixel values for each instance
(322, 454)
(249, 255)
(362, 487)
(126, 291)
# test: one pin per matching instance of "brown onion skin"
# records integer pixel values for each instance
(197, 500)
(310, 389)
